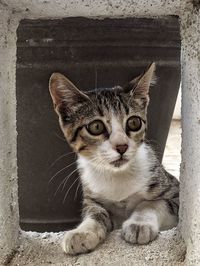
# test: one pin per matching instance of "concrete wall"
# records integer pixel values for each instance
(188, 10)
(190, 167)
(93, 8)
(8, 164)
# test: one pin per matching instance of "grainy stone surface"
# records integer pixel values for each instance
(8, 165)
(190, 167)
(44, 249)
(94, 8)
(167, 247)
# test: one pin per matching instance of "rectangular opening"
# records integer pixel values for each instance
(92, 53)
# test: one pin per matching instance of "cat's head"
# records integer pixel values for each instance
(105, 126)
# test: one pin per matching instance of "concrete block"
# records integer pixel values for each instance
(189, 11)
(9, 222)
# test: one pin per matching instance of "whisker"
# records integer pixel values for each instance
(68, 178)
(60, 171)
(96, 80)
(63, 155)
(64, 181)
(99, 164)
(59, 137)
(77, 190)
(75, 156)
(59, 186)
(70, 189)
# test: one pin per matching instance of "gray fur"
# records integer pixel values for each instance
(139, 195)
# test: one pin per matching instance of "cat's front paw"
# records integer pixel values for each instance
(77, 242)
(139, 233)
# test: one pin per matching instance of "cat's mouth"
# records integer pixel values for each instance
(119, 162)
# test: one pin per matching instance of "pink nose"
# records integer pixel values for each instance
(121, 149)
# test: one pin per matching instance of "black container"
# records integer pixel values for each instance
(92, 53)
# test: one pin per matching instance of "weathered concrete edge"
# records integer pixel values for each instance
(190, 166)
(95, 8)
(167, 249)
(190, 75)
(9, 218)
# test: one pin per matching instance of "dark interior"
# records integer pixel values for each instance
(92, 53)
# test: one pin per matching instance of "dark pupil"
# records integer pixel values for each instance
(96, 128)
(134, 123)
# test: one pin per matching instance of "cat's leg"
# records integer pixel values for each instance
(148, 219)
(92, 231)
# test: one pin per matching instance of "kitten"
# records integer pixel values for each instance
(124, 185)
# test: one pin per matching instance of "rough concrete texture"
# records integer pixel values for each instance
(44, 249)
(8, 163)
(93, 8)
(190, 168)
(165, 246)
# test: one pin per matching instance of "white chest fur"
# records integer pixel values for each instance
(117, 186)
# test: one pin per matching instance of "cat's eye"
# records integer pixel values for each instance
(96, 127)
(134, 123)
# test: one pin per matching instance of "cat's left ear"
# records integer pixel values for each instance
(64, 93)
(139, 87)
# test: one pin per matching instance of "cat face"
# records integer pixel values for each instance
(106, 126)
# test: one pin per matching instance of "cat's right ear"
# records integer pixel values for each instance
(139, 86)
(64, 92)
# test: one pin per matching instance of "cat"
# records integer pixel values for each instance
(124, 184)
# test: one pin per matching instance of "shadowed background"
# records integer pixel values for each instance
(91, 53)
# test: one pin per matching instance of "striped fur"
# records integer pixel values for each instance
(132, 190)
